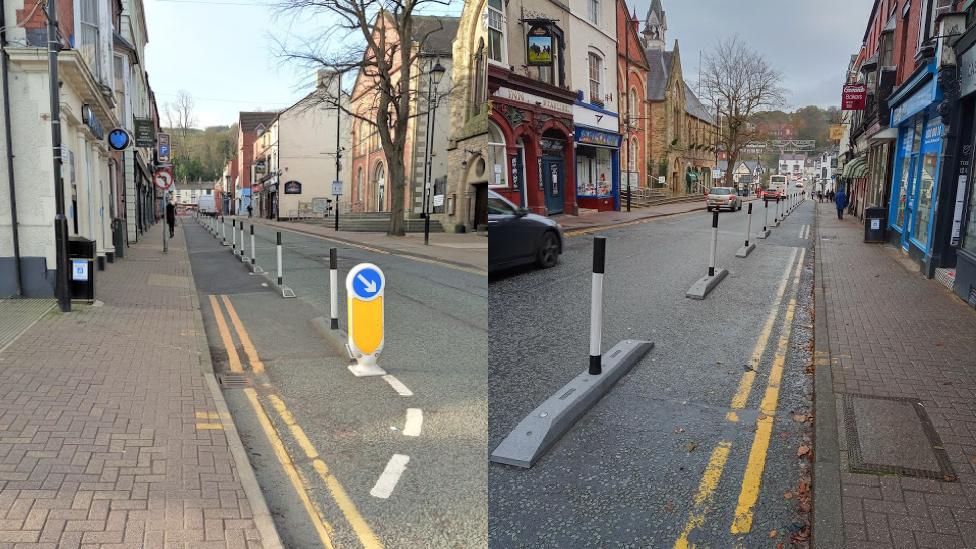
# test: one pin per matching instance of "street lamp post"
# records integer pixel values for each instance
(435, 74)
(61, 288)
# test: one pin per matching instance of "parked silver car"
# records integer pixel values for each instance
(723, 197)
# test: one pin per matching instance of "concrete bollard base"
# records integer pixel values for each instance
(366, 370)
(706, 284)
(746, 250)
(557, 414)
(764, 234)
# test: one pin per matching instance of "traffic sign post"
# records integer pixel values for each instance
(365, 286)
(162, 147)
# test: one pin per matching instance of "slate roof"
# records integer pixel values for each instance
(695, 108)
(659, 63)
(250, 120)
(443, 31)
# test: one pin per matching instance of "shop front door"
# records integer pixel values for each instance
(554, 181)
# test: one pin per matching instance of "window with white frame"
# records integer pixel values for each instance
(596, 74)
(496, 31)
(632, 155)
(593, 11)
(89, 41)
(497, 156)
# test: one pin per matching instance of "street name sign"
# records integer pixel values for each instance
(365, 286)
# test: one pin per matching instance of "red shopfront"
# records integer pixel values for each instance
(530, 145)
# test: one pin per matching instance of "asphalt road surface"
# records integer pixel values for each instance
(698, 444)
(346, 461)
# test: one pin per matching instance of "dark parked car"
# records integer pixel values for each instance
(517, 237)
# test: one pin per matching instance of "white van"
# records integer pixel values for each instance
(205, 205)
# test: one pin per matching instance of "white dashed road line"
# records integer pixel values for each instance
(391, 475)
(398, 386)
(415, 421)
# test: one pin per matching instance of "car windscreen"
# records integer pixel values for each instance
(498, 206)
(720, 190)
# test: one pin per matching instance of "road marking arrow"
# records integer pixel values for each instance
(369, 284)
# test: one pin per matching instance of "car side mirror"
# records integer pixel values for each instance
(521, 212)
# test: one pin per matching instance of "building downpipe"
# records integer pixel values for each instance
(9, 145)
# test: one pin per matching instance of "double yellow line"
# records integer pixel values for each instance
(752, 478)
(298, 481)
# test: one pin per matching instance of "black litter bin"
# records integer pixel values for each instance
(874, 224)
(81, 263)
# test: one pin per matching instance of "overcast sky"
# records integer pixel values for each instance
(223, 52)
(809, 41)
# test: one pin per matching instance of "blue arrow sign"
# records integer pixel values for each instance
(119, 139)
(367, 282)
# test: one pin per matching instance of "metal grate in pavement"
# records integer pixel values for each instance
(16, 315)
(234, 381)
(894, 435)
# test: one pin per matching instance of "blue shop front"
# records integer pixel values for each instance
(918, 161)
(597, 176)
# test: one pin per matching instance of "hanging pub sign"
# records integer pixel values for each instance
(293, 187)
(145, 133)
(854, 97)
(538, 47)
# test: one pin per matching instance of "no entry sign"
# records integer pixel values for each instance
(854, 97)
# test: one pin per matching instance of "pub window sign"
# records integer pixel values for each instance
(539, 46)
(293, 187)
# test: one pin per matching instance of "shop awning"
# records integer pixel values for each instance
(856, 168)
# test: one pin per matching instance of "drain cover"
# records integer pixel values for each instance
(234, 381)
(894, 435)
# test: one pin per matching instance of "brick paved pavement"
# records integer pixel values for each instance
(99, 410)
(893, 333)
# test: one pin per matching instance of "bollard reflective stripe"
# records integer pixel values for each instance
(252, 243)
(596, 305)
(333, 289)
(711, 255)
(749, 224)
(279, 259)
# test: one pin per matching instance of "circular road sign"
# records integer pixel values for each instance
(367, 281)
(119, 139)
(163, 179)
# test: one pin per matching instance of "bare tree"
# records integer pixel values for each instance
(380, 41)
(738, 82)
(180, 119)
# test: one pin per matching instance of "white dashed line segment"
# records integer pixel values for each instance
(415, 421)
(390, 476)
(398, 386)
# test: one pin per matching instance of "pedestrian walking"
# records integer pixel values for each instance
(840, 202)
(250, 211)
(171, 216)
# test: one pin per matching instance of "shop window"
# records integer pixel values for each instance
(496, 157)
(969, 239)
(593, 175)
(923, 212)
(596, 72)
(496, 31)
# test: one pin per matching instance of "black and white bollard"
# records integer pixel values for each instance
(223, 231)
(745, 250)
(233, 236)
(278, 252)
(776, 217)
(545, 425)
(243, 245)
(765, 230)
(252, 244)
(596, 305)
(707, 283)
(333, 289)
